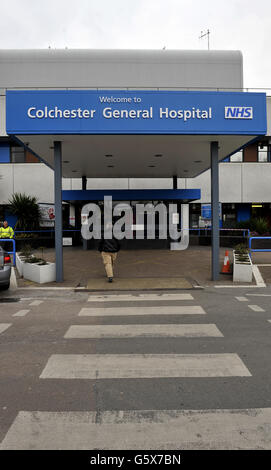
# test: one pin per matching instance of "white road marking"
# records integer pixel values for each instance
(260, 295)
(141, 429)
(256, 308)
(133, 331)
(140, 297)
(118, 311)
(4, 326)
(21, 313)
(258, 277)
(116, 366)
(237, 287)
(36, 303)
(242, 299)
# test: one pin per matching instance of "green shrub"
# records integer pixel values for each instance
(241, 249)
(27, 211)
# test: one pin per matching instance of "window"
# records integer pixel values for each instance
(20, 155)
(237, 157)
(262, 153)
(17, 155)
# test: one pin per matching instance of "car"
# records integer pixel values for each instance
(5, 269)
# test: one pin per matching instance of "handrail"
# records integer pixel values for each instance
(258, 238)
(14, 248)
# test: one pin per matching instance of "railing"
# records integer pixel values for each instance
(251, 250)
(13, 252)
(246, 231)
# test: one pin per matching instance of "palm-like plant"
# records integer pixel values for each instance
(27, 211)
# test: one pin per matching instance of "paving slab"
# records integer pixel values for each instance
(136, 283)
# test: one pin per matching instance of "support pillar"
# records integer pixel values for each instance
(84, 187)
(84, 183)
(58, 211)
(215, 210)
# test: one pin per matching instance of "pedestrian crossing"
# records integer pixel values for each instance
(143, 331)
(4, 327)
(141, 428)
(132, 311)
(138, 297)
(124, 366)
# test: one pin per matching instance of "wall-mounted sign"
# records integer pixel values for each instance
(47, 215)
(206, 211)
(135, 112)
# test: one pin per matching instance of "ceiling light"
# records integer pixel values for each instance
(108, 155)
(151, 166)
(110, 166)
(74, 171)
(197, 161)
(158, 155)
(66, 161)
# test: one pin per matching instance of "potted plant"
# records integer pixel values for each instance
(242, 264)
(34, 268)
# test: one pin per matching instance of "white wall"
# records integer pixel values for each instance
(90, 68)
(239, 182)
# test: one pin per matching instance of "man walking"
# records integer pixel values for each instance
(109, 249)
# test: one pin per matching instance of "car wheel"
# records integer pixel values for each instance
(5, 286)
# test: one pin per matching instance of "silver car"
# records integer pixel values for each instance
(5, 269)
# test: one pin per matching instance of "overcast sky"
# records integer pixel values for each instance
(144, 24)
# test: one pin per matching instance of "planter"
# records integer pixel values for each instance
(19, 264)
(35, 272)
(242, 268)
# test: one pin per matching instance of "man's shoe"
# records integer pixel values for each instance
(110, 279)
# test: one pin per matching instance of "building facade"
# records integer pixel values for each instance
(244, 176)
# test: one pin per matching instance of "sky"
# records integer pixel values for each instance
(144, 24)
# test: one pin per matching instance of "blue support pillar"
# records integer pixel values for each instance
(215, 210)
(84, 187)
(58, 210)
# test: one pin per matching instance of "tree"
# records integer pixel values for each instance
(27, 211)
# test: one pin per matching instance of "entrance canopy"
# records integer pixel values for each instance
(138, 133)
(106, 133)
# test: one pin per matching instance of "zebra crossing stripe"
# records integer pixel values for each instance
(223, 429)
(4, 326)
(140, 297)
(116, 366)
(118, 311)
(21, 313)
(36, 303)
(134, 331)
(242, 299)
(256, 308)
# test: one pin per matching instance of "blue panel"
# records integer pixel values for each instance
(132, 195)
(135, 112)
(243, 213)
(4, 153)
(10, 218)
(206, 211)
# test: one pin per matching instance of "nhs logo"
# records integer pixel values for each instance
(238, 112)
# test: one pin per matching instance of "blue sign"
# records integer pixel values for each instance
(135, 112)
(206, 211)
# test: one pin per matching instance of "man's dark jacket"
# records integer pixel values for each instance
(109, 246)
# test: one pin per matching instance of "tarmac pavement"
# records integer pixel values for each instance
(135, 370)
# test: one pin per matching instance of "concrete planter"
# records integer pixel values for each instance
(35, 272)
(242, 269)
(19, 264)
